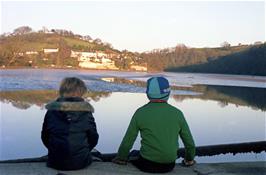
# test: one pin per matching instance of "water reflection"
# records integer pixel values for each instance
(26, 99)
(224, 95)
(240, 96)
(217, 115)
(210, 123)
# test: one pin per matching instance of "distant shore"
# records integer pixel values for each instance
(70, 68)
(255, 78)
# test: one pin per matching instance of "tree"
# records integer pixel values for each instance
(225, 44)
(63, 53)
(98, 41)
(44, 30)
(108, 45)
(22, 30)
(9, 53)
(258, 43)
(87, 37)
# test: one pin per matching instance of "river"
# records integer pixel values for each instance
(218, 108)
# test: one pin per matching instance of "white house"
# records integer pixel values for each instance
(138, 68)
(103, 63)
(50, 50)
(94, 60)
(112, 55)
(83, 56)
(19, 53)
(107, 60)
(74, 54)
(88, 64)
(31, 53)
(88, 54)
(94, 65)
(101, 54)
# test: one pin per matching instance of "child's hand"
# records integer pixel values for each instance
(119, 161)
(188, 162)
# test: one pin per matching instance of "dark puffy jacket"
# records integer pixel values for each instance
(69, 133)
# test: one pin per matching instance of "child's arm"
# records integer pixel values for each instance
(128, 140)
(187, 139)
(92, 133)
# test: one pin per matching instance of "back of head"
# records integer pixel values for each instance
(72, 86)
(158, 88)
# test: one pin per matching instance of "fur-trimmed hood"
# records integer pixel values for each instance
(70, 104)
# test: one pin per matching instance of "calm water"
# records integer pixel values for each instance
(216, 114)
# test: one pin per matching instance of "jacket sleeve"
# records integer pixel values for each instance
(187, 139)
(129, 139)
(45, 133)
(92, 133)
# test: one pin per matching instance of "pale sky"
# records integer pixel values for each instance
(143, 26)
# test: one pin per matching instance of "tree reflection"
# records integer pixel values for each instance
(27, 98)
(240, 96)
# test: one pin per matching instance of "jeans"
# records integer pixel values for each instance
(150, 166)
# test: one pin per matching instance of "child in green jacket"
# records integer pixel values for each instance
(160, 126)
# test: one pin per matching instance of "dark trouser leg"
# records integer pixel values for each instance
(152, 167)
(133, 155)
(89, 159)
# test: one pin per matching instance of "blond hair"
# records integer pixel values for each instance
(72, 86)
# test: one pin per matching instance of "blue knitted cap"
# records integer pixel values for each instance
(158, 88)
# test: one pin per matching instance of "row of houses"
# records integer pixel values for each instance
(95, 60)
(91, 60)
(84, 56)
(101, 60)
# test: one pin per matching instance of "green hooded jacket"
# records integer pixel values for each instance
(160, 126)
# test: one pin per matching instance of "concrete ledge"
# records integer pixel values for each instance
(107, 168)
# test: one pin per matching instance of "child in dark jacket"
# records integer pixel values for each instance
(69, 130)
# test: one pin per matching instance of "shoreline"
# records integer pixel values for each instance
(212, 75)
(227, 77)
(67, 68)
(117, 70)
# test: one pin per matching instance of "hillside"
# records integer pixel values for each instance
(12, 46)
(250, 61)
(28, 49)
(63, 49)
(179, 56)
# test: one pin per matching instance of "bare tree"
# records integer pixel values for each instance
(225, 44)
(108, 45)
(87, 37)
(258, 43)
(63, 53)
(98, 41)
(22, 30)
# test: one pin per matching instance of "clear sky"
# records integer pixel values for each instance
(142, 26)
